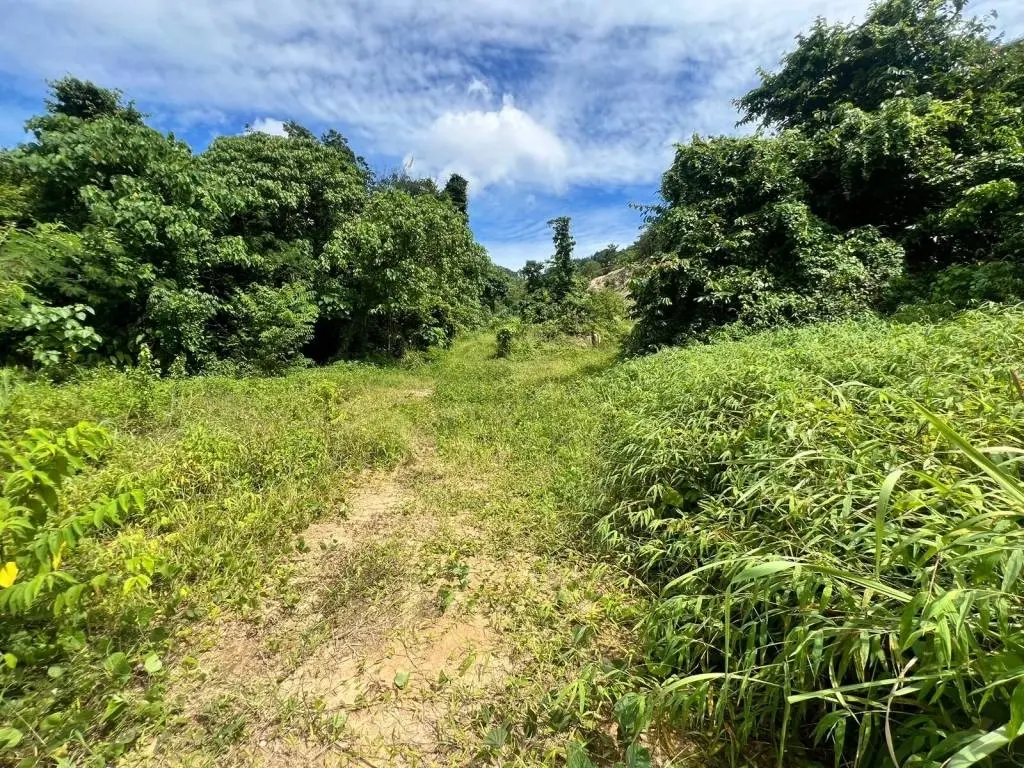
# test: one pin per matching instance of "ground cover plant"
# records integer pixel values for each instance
(830, 518)
(181, 504)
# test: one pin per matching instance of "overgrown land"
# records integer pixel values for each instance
(293, 475)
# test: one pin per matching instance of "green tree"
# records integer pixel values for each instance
(283, 189)
(138, 205)
(533, 275)
(562, 270)
(408, 274)
(335, 141)
(87, 101)
(904, 49)
(402, 181)
(737, 243)
(457, 190)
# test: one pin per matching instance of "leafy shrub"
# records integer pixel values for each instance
(963, 285)
(736, 245)
(56, 338)
(412, 275)
(270, 325)
(48, 593)
(504, 339)
(837, 567)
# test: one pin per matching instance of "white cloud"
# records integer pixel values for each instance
(506, 145)
(268, 125)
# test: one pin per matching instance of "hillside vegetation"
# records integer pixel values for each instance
(894, 165)
(836, 566)
(292, 474)
(255, 254)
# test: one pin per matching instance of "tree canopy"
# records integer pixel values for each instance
(260, 250)
(897, 151)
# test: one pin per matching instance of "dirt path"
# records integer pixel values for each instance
(366, 664)
(406, 628)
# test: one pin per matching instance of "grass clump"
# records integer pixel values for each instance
(182, 505)
(830, 519)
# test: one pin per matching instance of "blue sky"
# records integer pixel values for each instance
(549, 107)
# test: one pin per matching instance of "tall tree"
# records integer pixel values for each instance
(905, 48)
(335, 141)
(562, 269)
(87, 101)
(457, 190)
(533, 275)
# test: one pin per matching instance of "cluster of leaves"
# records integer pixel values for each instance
(897, 148)
(58, 679)
(260, 250)
(835, 550)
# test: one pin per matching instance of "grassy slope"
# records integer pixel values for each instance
(839, 538)
(235, 471)
(772, 447)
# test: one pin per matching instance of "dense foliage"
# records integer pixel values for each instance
(556, 296)
(837, 568)
(603, 261)
(897, 151)
(259, 250)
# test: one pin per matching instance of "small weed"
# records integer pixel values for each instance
(224, 721)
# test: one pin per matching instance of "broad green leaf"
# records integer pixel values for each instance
(497, 737)
(117, 666)
(638, 757)
(979, 749)
(10, 738)
(880, 515)
(576, 756)
(1016, 713)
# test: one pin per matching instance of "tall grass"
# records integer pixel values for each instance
(227, 473)
(831, 518)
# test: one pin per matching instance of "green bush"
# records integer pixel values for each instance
(897, 149)
(831, 520)
(59, 675)
(504, 339)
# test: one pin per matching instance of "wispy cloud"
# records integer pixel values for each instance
(596, 91)
(479, 87)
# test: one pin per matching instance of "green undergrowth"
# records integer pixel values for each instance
(517, 439)
(831, 519)
(214, 476)
(219, 478)
(809, 540)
